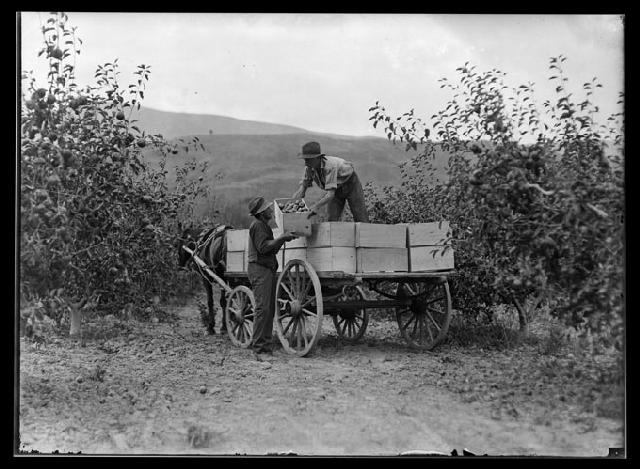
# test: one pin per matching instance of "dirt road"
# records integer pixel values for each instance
(166, 387)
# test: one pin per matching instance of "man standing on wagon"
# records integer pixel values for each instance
(335, 176)
(262, 272)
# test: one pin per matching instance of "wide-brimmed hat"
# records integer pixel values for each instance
(310, 150)
(258, 205)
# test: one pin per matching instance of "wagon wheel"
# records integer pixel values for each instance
(241, 306)
(351, 324)
(425, 322)
(298, 316)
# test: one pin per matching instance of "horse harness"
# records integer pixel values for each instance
(206, 239)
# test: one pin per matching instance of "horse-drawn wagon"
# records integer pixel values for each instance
(343, 270)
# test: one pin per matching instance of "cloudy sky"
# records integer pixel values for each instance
(323, 71)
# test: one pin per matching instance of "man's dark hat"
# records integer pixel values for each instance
(310, 150)
(258, 205)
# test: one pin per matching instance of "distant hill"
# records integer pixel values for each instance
(265, 162)
(176, 124)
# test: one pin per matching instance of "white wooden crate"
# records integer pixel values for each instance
(237, 261)
(297, 223)
(377, 235)
(237, 240)
(297, 253)
(332, 234)
(428, 234)
(428, 258)
(382, 259)
(332, 259)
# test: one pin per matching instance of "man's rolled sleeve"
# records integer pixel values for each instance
(331, 178)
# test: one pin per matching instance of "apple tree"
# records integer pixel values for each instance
(96, 220)
(534, 195)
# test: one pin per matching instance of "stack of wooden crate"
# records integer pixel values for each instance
(381, 248)
(330, 247)
(357, 247)
(237, 250)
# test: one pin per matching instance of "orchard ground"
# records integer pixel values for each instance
(163, 386)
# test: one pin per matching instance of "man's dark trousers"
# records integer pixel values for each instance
(350, 191)
(263, 284)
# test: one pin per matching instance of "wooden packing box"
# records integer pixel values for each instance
(332, 259)
(428, 234)
(237, 240)
(237, 261)
(297, 243)
(377, 235)
(332, 234)
(297, 223)
(382, 259)
(424, 259)
(296, 253)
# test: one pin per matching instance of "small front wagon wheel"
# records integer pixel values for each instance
(351, 324)
(425, 322)
(241, 306)
(298, 315)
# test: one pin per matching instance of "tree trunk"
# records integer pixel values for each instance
(75, 317)
(522, 318)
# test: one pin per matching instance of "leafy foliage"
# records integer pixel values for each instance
(96, 220)
(535, 197)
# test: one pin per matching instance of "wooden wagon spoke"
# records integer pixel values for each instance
(298, 334)
(415, 326)
(303, 331)
(313, 298)
(435, 299)
(286, 329)
(428, 329)
(309, 313)
(295, 328)
(433, 321)
(286, 289)
(296, 278)
(344, 326)
(248, 315)
(406, 324)
(308, 285)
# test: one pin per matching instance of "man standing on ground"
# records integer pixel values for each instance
(335, 176)
(262, 272)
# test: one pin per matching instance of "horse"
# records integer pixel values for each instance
(210, 246)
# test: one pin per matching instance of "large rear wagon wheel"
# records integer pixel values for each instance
(425, 322)
(351, 324)
(298, 316)
(241, 307)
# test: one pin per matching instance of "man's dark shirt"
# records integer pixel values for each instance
(259, 251)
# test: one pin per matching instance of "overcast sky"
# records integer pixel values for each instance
(322, 72)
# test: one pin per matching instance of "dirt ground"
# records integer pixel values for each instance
(165, 387)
